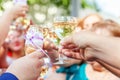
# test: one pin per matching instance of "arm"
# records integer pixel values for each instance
(8, 76)
(110, 68)
(28, 65)
(108, 48)
(7, 18)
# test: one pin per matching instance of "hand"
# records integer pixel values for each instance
(17, 11)
(81, 39)
(49, 45)
(27, 67)
(71, 51)
(51, 49)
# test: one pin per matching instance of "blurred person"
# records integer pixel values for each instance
(15, 45)
(6, 20)
(3, 60)
(87, 22)
(13, 48)
(19, 70)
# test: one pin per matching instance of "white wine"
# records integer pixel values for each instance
(63, 29)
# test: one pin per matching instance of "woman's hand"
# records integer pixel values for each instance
(51, 49)
(27, 67)
(17, 11)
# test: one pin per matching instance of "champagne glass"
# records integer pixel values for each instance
(34, 41)
(64, 26)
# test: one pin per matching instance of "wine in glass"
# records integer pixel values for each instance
(64, 26)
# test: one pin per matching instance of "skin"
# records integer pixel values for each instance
(16, 44)
(93, 44)
(19, 67)
(7, 18)
(27, 66)
(88, 22)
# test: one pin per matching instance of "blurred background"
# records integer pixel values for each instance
(43, 11)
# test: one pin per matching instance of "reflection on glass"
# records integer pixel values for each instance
(64, 26)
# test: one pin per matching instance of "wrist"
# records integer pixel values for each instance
(9, 14)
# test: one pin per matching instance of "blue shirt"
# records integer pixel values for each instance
(74, 72)
(8, 76)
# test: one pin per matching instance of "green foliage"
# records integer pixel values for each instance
(88, 4)
(1, 8)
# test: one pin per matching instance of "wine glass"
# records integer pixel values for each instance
(34, 41)
(64, 26)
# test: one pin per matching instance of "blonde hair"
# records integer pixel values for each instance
(81, 22)
(110, 25)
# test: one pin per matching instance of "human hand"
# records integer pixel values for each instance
(17, 11)
(49, 45)
(80, 39)
(78, 47)
(51, 49)
(27, 67)
(71, 51)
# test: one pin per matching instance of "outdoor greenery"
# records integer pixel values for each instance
(41, 11)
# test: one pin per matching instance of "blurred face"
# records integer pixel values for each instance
(103, 32)
(16, 41)
(88, 22)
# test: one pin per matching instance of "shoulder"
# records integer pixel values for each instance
(8, 76)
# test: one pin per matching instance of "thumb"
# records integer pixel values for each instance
(37, 54)
(67, 40)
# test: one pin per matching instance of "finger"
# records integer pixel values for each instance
(76, 55)
(40, 62)
(88, 54)
(53, 46)
(76, 49)
(72, 54)
(69, 46)
(82, 52)
(66, 40)
(37, 54)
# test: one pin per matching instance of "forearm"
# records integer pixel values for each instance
(5, 22)
(110, 68)
(108, 48)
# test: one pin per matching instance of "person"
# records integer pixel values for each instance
(94, 47)
(15, 45)
(87, 22)
(104, 28)
(6, 20)
(25, 68)
(13, 48)
(8, 16)
(19, 69)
